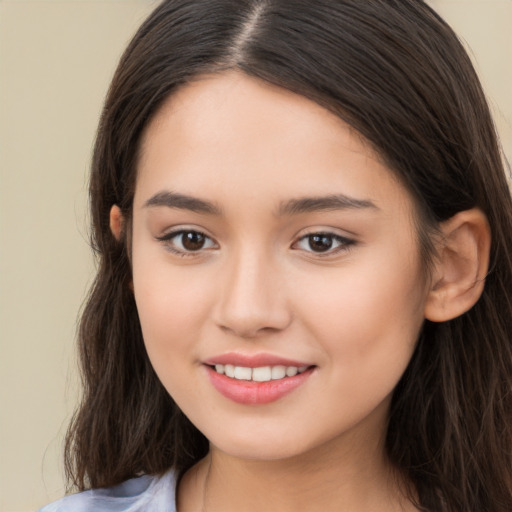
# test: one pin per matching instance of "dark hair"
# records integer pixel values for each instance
(399, 76)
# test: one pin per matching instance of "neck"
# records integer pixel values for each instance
(340, 475)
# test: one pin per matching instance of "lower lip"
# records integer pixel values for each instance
(255, 393)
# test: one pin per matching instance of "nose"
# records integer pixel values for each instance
(252, 298)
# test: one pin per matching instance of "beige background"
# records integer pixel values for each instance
(56, 59)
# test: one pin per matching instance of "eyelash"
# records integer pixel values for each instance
(167, 240)
(344, 243)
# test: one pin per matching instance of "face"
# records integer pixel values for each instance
(276, 269)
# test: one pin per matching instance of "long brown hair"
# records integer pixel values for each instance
(397, 73)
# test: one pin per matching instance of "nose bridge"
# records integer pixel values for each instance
(252, 298)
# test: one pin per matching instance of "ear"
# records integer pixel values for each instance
(461, 266)
(116, 222)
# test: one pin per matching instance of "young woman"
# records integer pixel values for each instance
(303, 299)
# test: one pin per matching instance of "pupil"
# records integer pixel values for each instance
(320, 243)
(193, 241)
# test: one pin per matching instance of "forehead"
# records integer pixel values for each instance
(229, 134)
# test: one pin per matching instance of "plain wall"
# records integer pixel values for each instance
(56, 60)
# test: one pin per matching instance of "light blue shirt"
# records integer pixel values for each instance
(142, 494)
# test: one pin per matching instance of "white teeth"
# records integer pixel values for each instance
(259, 374)
(242, 373)
(291, 371)
(278, 372)
(262, 374)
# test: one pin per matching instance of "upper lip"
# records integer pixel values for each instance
(254, 360)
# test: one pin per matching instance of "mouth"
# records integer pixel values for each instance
(258, 374)
(257, 385)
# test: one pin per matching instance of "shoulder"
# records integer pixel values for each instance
(142, 494)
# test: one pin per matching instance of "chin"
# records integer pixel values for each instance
(260, 446)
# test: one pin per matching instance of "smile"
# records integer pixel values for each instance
(257, 385)
(259, 374)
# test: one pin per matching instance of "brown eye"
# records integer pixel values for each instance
(193, 240)
(184, 242)
(320, 243)
(323, 243)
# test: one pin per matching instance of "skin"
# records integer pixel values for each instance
(259, 285)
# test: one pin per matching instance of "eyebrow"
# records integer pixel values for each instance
(290, 207)
(182, 202)
(324, 203)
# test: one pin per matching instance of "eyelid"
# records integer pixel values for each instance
(168, 237)
(345, 243)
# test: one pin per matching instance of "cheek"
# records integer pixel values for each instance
(173, 304)
(367, 318)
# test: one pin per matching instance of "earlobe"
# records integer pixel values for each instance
(116, 222)
(460, 267)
